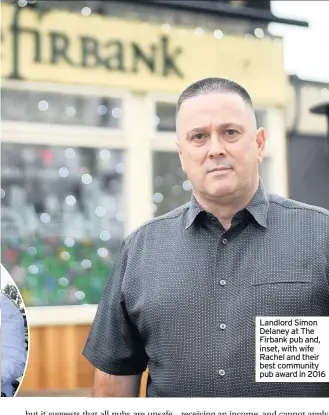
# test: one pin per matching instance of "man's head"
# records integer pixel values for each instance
(219, 145)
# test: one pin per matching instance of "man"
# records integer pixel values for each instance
(13, 350)
(187, 286)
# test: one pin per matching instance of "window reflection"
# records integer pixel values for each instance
(60, 108)
(62, 220)
(166, 116)
(170, 185)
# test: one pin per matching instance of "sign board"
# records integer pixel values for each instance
(68, 48)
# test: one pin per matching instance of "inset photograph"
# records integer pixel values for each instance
(14, 336)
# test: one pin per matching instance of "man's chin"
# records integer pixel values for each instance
(221, 191)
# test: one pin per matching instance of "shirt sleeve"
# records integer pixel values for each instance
(114, 345)
(13, 351)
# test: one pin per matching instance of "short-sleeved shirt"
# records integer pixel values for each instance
(184, 294)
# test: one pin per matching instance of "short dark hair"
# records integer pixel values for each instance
(210, 85)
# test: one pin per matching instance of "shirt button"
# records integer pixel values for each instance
(224, 241)
(221, 372)
(222, 326)
(222, 282)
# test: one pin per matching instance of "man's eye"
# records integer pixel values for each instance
(231, 133)
(198, 136)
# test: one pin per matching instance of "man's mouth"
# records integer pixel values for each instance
(220, 169)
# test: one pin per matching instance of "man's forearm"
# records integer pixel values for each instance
(106, 385)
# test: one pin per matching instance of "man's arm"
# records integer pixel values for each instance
(114, 344)
(13, 353)
(106, 385)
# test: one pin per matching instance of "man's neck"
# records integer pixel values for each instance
(225, 208)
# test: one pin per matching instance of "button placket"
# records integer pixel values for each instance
(221, 326)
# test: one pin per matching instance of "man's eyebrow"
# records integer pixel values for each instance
(230, 125)
(196, 130)
(227, 125)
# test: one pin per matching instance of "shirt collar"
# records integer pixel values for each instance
(259, 204)
(257, 207)
(193, 211)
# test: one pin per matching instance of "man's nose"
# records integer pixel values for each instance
(216, 146)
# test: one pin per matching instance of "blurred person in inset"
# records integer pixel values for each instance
(13, 348)
(187, 286)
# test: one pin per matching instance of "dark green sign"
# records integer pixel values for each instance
(111, 54)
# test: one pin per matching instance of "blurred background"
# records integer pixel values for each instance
(88, 143)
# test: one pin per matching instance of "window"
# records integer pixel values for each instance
(166, 116)
(62, 220)
(170, 184)
(60, 108)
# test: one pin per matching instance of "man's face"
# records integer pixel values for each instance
(219, 146)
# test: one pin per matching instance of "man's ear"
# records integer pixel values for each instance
(261, 142)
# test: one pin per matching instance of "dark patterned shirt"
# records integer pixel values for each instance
(184, 294)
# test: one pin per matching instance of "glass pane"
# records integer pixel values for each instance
(170, 184)
(62, 220)
(58, 108)
(166, 116)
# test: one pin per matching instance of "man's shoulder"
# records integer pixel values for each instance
(161, 223)
(298, 207)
